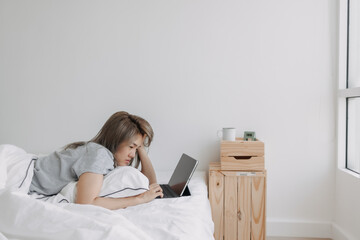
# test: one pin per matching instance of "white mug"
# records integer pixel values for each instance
(227, 134)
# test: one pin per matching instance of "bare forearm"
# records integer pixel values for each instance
(89, 185)
(116, 203)
(146, 166)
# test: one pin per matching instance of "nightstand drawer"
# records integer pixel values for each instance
(243, 163)
(241, 148)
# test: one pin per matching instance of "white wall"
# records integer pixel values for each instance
(347, 207)
(189, 68)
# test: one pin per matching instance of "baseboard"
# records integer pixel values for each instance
(298, 229)
(340, 234)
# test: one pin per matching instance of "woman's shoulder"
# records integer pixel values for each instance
(94, 145)
(88, 148)
(98, 149)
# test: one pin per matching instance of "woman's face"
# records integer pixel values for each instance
(126, 151)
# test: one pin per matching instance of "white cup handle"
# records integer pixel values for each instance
(219, 133)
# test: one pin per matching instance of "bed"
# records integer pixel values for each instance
(34, 217)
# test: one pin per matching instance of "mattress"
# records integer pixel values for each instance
(25, 217)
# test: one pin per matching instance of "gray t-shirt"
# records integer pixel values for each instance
(55, 171)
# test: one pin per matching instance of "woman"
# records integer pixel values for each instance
(120, 142)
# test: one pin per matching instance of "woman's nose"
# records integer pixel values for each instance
(132, 154)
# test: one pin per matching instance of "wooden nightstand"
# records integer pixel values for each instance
(238, 197)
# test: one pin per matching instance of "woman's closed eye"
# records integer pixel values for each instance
(134, 146)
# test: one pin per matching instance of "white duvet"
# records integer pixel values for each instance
(24, 217)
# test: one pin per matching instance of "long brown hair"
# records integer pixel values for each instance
(119, 128)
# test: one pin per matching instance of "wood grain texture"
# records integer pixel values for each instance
(215, 166)
(238, 203)
(216, 198)
(230, 204)
(258, 200)
(244, 207)
(251, 164)
(242, 148)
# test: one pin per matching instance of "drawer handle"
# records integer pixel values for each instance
(239, 215)
(241, 157)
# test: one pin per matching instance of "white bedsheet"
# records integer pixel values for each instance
(176, 218)
(23, 217)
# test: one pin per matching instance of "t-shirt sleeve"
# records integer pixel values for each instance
(96, 159)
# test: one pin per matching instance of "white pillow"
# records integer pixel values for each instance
(16, 168)
(3, 167)
(124, 181)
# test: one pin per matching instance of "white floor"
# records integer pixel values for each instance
(295, 238)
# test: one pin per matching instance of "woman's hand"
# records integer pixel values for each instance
(141, 150)
(146, 165)
(154, 191)
(142, 146)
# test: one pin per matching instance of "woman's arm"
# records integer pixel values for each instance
(89, 186)
(146, 166)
